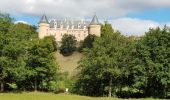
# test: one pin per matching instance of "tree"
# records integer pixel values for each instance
(68, 45)
(100, 66)
(5, 22)
(12, 63)
(42, 63)
(22, 31)
(151, 64)
(25, 61)
(87, 43)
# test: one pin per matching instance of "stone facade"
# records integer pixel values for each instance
(78, 28)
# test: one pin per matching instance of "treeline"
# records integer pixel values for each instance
(126, 67)
(26, 63)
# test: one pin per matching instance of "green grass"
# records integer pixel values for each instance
(48, 96)
(69, 63)
(45, 96)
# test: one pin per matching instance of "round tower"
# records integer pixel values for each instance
(43, 27)
(95, 27)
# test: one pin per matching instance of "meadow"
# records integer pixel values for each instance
(51, 96)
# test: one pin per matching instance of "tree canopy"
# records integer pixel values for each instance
(68, 45)
(26, 63)
(125, 66)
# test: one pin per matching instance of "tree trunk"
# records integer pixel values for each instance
(110, 87)
(35, 84)
(2, 86)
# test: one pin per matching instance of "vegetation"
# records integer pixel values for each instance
(151, 63)
(68, 45)
(112, 65)
(26, 63)
(87, 43)
(68, 64)
(126, 67)
(102, 65)
(51, 96)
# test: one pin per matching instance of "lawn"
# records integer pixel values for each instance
(48, 96)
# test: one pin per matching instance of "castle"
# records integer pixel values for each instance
(78, 28)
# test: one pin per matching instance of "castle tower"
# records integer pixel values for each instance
(95, 27)
(43, 27)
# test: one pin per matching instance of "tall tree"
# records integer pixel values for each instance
(42, 63)
(68, 45)
(152, 64)
(5, 22)
(100, 70)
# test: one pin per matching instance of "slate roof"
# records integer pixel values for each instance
(44, 19)
(95, 21)
(69, 23)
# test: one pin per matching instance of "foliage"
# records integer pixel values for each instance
(100, 66)
(87, 43)
(112, 65)
(5, 22)
(151, 64)
(115, 62)
(68, 45)
(25, 61)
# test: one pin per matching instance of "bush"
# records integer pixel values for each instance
(57, 87)
(12, 86)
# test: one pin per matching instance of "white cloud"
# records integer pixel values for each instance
(20, 21)
(134, 26)
(108, 9)
(80, 8)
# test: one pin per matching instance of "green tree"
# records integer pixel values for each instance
(25, 61)
(100, 66)
(68, 45)
(5, 22)
(151, 66)
(87, 43)
(22, 31)
(42, 63)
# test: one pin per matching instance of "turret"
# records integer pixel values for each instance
(43, 27)
(95, 27)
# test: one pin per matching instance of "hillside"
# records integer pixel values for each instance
(70, 63)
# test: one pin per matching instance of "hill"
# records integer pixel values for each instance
(68, 63)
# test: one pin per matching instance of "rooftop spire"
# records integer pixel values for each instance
(95, 21)
(44, 19)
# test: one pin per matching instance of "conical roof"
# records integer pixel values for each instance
(44, 19)
(95, 21)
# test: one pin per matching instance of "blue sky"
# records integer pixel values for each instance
(33, 20)
(159, 15)
(131, 17)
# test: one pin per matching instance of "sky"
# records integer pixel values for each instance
(130, 17)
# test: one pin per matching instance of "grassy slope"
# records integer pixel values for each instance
(68, 64)
(46, 96)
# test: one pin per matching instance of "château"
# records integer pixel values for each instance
(78, 28)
